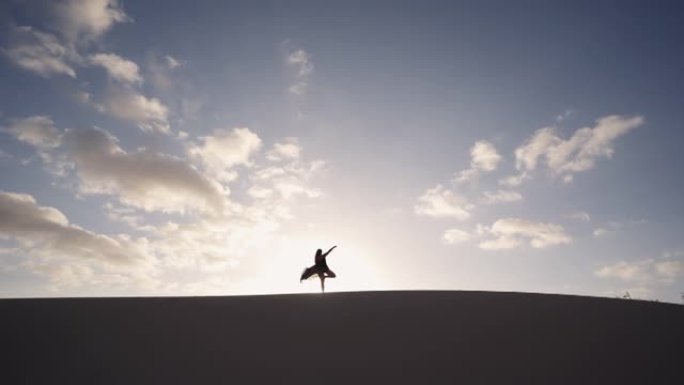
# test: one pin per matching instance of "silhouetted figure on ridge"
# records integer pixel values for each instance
(320, 268)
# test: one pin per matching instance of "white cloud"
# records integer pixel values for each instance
(221, 152)
(645, 272)
(216, 243)
(213, 244)
(298, 88)
(39, 52)
(260, 192)
(513, 180)
(149, 114)
(455, 236)
(144, 179)
(289, 148)
(600, 232)
(160, 71)
(288, 190)
(669, 269)
(117, 67)
(483, 158)
(613, 226)
(38, 131)
(674, 253)
(69, 255)
(501, 196)
(87, 19)
(512, 232)
(625, 271)
(440, 202)
(538, 145)
(581, 216)
(578, 153)
(563, 116)
(46, 232)
(74, 22)
(152, 181)
(212, 239)
(285, 182)
(301, 61)
(172, 62)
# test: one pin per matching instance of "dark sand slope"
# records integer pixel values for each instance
(371, 337)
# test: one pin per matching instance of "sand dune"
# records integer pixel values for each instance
(367, 337)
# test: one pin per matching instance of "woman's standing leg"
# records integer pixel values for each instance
(322, 277)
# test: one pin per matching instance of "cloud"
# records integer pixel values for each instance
(625, 271)
(39, 52)
(41, 133)
(160, 73)
(289, 148)
(645, 272)
(143, 179)
(440, 202)
(212, 236)
(301, 61)
(613, 226)
(152, 181)
(285, 182)
(172, 62)
(513, 180)
(213, 244)
(483, 158)
(501, 196)
(216, 243)
(578, 153)
(46, 232)
(564, 115)
(581, 216)
(455, 236)
(669, 270)
(78, 22)
(675, 253)
(69, 255)
(117, 67)
(38, 131)
(74, 23)
(600, 232)
(84, 20)
(149, 114)
(225, 149)
(512, 232)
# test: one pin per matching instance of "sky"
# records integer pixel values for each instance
(167, 148)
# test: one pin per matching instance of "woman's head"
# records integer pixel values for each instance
(319, 252)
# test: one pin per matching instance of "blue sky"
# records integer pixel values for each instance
(156, 148)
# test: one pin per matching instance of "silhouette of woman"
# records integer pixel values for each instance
(320, 268)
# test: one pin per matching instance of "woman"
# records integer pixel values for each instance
(321, 268)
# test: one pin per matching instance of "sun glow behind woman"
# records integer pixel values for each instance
(354, 267)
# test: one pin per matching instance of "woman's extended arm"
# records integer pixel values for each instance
(328, 252)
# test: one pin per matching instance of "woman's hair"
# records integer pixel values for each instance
(319, 252)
